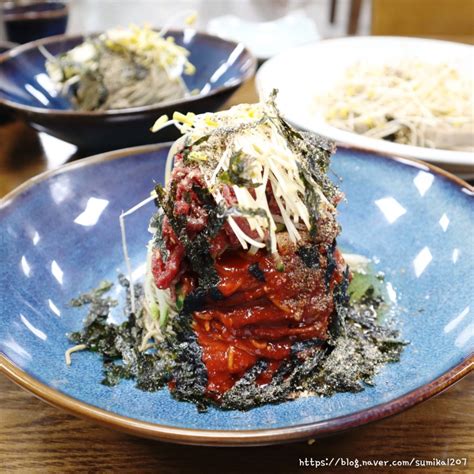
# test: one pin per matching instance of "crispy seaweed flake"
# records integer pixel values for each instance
(359, 345)
(189, 373)
(239, 164)
(331, 263)
(256, 271)
(309, 254)
(119, 344)
(311, 200)
(315, 150)
(159, 242)
(188, 148)
(197, 249)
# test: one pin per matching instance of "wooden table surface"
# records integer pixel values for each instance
(35, 437)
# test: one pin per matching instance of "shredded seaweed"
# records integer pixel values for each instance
(197, 249)
(256, 271)
(239, 165)
(331, 263)
(119, 344)
(189, 146)
(315, 149)
(159, 242)
(309, 255)
(189, 372)
(358, 347)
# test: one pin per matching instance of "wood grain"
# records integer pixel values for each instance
(435, 18)
(37, 438)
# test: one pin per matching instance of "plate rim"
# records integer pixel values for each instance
(194, 436)
(230, 438)
(124, 152)
(344, 137)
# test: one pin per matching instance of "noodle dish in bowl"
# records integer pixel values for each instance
(410, 97)
(104, 91)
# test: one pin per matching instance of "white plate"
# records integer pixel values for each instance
(268, 38)
(302, 73)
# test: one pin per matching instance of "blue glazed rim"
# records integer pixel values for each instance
(12, 53)
(227, 437)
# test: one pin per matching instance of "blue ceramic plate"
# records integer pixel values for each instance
(60, 237)
(25, 88)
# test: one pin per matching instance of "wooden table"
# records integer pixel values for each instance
(35, 437)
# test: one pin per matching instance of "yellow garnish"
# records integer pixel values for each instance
(191, 19)
(330, 114)
(343, 112)
(369, 121)
(149, 46)
(159, 123)
(197, 156)
(350, 90)
(187, 119)
(189, 69)
(210, 122)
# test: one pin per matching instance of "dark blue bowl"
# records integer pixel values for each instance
(34, 20)
(61, 237)
(221, 67)
(5, 116)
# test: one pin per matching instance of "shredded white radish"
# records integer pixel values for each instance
(253, 135)
(125, 246)
(71, 350)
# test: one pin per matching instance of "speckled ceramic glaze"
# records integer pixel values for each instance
(60, 237)
(221, 66)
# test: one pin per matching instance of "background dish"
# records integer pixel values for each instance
(34, 19)
(266, 38)
(304, 72)
(411, 218)
(25, 88)
(4, 115)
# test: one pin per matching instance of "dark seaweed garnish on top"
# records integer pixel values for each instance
(197, 249)
(309, 255)
(358, 346)
(316, 152)
(159, 242)
(256, 272)
(238, 166)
